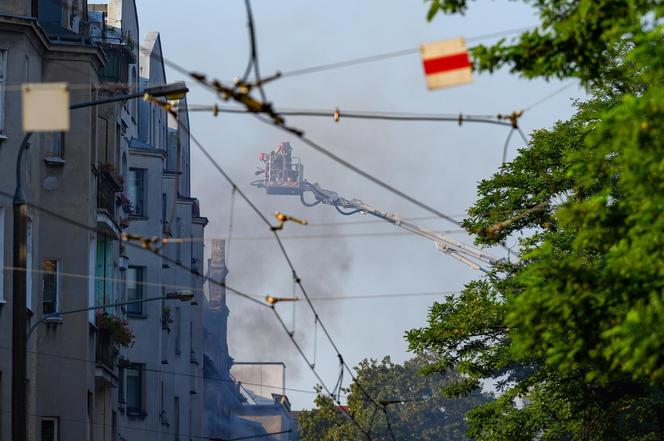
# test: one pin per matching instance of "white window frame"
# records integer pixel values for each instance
(3, 81)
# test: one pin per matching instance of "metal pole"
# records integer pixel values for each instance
(112, 99)
(91, 308)
(19, 310)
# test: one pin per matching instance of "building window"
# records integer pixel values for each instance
(49, 429)
(55, 145)
(104, 271)
(137, 191)
(134, 383)
(135, 277)
(50, 283)
(3, 81)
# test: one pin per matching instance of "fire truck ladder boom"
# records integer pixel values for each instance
(466, 254)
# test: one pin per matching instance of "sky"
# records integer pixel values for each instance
(438, 163)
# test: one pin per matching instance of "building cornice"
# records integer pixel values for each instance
(200, 220)
(155, 153)
(47, 47)
(28, 26)
(186, 199)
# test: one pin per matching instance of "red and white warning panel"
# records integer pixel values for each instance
(446, 63)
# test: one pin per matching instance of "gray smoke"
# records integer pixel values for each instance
(258, 267)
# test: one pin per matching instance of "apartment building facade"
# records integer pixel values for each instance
(82, 383)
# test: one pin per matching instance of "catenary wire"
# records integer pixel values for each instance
(166, 372)
(549, 96)
(201, 79)
(368, 115)
(137, 246)
(388, 55)
(167, 285)
(283, 250)
(304, 356)
(288, 261)
(107, 425)
(322, 150)
(174, 240)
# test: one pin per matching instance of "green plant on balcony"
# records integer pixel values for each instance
(114, 177)
(166, 318)
(124, 202)
(118, 328)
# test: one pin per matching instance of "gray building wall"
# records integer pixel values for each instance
(24, 44)
(166, 333)
(66, 190)
(69, 379)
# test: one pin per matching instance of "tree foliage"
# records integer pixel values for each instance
(575, 38)
(573, 332)
(413, 403)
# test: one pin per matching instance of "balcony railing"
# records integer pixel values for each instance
(108, 184)
(106, 351)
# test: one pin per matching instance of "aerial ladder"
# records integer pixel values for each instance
(283, 174)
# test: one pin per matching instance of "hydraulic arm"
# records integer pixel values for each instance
(470, 255)
(283, 175)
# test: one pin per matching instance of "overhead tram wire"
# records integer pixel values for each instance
(277, 121)
(286, 256)
(106, 425)
(216, 87)
(232, 290)
(173, 286)
(387, 55)
(174, 373)
(101, 278)
(322, 383)
(368, 115)
(267, 108)
(319, 148)
(307, 236)
(167, 259)
(549, 96)
(346, 223)
(526, 109)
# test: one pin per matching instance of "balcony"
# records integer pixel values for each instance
(120, 55)
(105, 356)
(109, 182)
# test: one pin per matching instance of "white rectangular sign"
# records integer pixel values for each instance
(45, 107)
